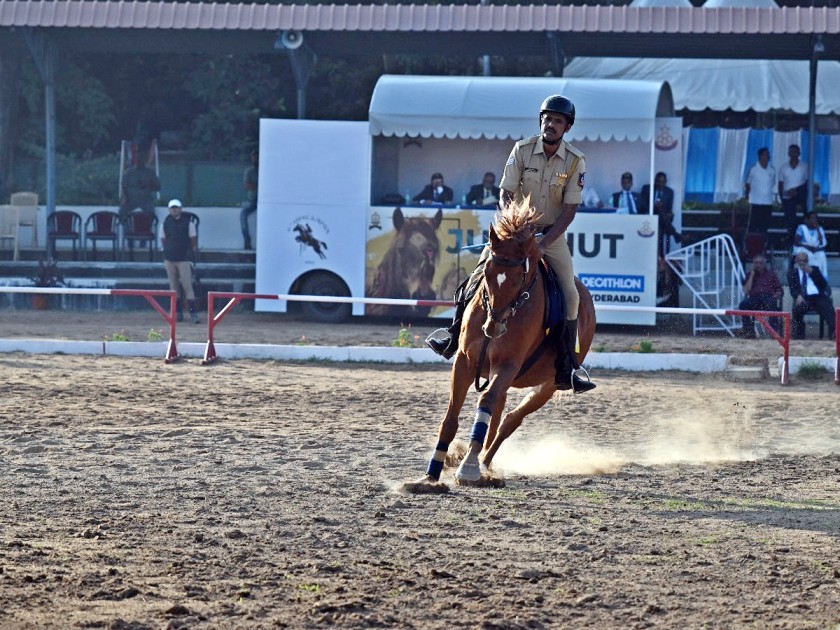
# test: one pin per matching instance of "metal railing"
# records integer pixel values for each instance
(712, 271)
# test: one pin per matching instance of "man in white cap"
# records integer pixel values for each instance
(178, 239)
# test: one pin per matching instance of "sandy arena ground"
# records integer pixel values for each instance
(263, 494)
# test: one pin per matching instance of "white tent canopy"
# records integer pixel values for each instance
(720, 84)
(508, 108)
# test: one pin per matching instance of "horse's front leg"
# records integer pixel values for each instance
(458, 386)
(490, 404)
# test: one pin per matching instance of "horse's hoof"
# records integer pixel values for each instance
(468, 472)
(424, 485)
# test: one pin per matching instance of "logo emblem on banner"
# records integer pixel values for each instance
(664, 140)
(646, 231)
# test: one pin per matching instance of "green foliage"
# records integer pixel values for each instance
(118, 336)
(811, 371)
(404, 338)
(234, 92)
(643, 347)
(155, 334)
(84, 109)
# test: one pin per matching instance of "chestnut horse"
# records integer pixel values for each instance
(503, 328)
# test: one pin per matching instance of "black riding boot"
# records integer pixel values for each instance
(447, 346)
(193, 313)
(566, 364)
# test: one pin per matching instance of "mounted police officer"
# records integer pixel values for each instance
(551, 172)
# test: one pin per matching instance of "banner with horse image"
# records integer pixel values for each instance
(417, 253)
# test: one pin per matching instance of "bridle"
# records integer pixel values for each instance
(517, 302)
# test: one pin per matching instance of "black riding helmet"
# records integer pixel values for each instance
(558, 105)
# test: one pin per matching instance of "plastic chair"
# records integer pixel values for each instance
(9, 228)
(102, 226)
(141, 227)
(27, 205)
(64, 225)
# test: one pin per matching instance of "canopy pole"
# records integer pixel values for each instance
(485, 59)
(651, 175)
(302, 59)
(816, 51)
(43, 53)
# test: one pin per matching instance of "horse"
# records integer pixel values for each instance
(503, 332)
(305, 238)
(408, 267)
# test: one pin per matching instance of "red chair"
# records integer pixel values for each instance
(64, 225)
(102, 226)
(141, 227)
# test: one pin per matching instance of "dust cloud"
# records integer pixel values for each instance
(689, 437)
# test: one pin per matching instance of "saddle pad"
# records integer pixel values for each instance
(555, 310)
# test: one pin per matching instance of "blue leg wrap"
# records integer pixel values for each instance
(479, 427)
(436, 463)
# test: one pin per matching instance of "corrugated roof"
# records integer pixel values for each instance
(419, 18)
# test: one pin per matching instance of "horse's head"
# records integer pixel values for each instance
(511, 269)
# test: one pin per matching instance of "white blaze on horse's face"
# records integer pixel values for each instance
(500, 278)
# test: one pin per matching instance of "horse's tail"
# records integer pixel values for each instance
(586, 320)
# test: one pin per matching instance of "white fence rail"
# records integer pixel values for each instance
(712, 271)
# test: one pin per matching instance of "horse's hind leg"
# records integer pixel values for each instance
(535, 399)
(494, 421)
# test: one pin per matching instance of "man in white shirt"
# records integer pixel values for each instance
(760, 189)
(793, 189)
(590, 198)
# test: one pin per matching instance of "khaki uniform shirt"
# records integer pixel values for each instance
(551, 182)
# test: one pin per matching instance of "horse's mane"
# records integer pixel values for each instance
(516, 221)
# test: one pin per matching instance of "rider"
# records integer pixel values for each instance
(551, 172)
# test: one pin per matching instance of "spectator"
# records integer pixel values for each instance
(793, 189)
(139, 185)
(762, 292)
(810, 238)
(249, 206)
(590, 198)
(484, 194)
(760, 190)
(810, 292)
(436, 192)
(178, 239)
(625, 200)
(663, 207)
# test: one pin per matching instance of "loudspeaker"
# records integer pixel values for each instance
(291, 40)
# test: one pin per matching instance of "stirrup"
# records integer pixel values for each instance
(441, 345)
(577, 382)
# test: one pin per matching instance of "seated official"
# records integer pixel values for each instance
(435, 192)
(484, 194)
(625, 200)
(762, 292)
(810, 292)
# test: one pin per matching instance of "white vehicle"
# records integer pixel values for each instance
(335, 215)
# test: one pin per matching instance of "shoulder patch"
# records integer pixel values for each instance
(511, 160)
(581, 180)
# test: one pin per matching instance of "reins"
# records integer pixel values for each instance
(513, 307)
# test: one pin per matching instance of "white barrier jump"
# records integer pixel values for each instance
(149, 294)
